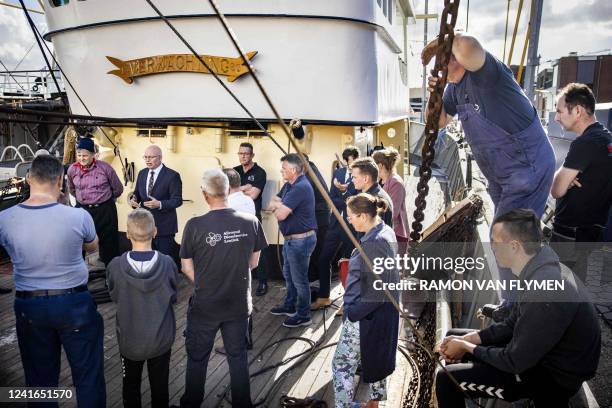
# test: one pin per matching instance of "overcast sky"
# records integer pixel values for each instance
(582, 26)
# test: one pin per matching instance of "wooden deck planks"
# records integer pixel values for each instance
(313, 378)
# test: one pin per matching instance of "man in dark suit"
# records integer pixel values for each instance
(342, 188)
(159, 189)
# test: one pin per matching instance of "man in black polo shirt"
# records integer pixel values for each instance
(583, 186)
(365, 178)
(294, 208)
(253, 180)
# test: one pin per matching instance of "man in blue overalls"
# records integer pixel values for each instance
(501, 126)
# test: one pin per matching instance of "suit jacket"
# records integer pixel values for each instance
(168, 189)
(339, 198)
(396, 190)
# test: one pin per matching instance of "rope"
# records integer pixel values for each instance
(11, 75)
(217, 78)
(449, 6)
(36, 36)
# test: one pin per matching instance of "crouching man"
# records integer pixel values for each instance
(548, 345)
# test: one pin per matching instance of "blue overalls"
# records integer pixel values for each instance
(519, 167)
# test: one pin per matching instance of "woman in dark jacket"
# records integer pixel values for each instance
(370, 322)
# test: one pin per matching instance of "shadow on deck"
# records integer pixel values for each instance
(312, 378)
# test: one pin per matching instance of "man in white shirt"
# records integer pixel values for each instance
(236, 198)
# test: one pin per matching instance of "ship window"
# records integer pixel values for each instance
(154, 131)
(57, 3)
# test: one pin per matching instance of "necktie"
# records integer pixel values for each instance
(151, 181)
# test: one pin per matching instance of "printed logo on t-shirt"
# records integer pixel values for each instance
(233, 236)
(228, 236)
(213, 238)
(251, 178)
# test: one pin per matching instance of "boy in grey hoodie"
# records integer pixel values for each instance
(142, 283)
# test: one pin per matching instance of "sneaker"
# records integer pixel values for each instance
(282, 311)
(296, 321)
(498, 313)
(320, 303)
(262, 289)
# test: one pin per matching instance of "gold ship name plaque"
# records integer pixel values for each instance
(232, 68)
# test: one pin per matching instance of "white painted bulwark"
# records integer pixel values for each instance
(320, 60)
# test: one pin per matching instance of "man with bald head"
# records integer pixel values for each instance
(502, 128)
(159, 189)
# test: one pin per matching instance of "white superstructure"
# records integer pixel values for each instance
(328, 61)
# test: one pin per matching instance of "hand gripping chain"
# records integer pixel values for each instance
(434, 108)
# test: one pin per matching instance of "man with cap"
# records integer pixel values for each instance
(95, 185)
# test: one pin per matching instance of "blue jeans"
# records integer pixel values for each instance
(44, 325)
(199, 341)
(296, 258)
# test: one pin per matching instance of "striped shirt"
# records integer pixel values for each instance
(95, 186)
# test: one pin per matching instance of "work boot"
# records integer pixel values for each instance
(320, 303)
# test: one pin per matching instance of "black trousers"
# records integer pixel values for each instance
(166, 245)
(575, 244)
(158, 369)
(481, 380)
(105, 220)
(313, 267)
(259, 272)
(199, 341)
(335, 240)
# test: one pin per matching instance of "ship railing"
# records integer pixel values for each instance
(29, 84)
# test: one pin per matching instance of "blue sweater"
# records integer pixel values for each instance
(378, 319)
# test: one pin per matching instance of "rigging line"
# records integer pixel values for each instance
(506, 32)
(219, 80)
(11, 75)
(24, 56)
(516, 26)
(110, 119)
(288, 132)
(81, 123)
(315, 180)
(32, 26)
(64, 98)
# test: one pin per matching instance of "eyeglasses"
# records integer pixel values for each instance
(149, 157)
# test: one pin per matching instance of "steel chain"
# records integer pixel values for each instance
(434, 109)
(459, 227)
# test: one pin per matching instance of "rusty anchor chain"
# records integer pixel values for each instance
(434, 108)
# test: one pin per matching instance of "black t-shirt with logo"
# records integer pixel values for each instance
(221, 243)
(591, 154)
(256, 176)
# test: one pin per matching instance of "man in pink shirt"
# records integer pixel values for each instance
(95, 185)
